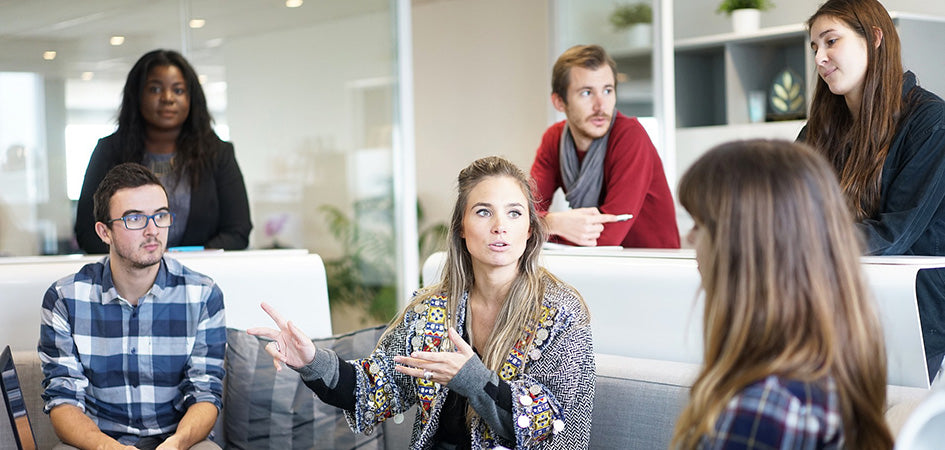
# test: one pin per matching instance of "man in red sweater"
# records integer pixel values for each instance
(604, 161)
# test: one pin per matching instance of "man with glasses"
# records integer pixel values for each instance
(132, 345)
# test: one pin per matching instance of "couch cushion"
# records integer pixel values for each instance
(637, 401)
(268, 409)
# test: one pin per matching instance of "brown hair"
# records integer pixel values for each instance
(857, 145)
(587, 56)
(784, 294)
(122, 176)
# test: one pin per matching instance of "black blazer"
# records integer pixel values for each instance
(219, 208)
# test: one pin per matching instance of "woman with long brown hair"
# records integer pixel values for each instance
(885, 137)
(498, 352)
(794, 354)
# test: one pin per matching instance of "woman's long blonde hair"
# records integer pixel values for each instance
(784, 294)
(524, 300)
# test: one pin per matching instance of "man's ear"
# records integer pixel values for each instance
(104, 232)
(877, 37)
(559, 103)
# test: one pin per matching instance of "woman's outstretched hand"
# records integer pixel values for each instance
(439, 367)
(289, 344)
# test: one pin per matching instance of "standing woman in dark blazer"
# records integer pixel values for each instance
(885, 137)
(164, 124)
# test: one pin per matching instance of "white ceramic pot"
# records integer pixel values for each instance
(640, 35)
(746, 20)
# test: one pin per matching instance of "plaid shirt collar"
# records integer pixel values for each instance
(110, 293)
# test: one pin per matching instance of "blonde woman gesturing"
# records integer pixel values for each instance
(499, 352)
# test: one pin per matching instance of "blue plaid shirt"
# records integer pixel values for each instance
(777, 413)
(133, 370)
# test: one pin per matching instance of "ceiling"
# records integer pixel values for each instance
(79, 30)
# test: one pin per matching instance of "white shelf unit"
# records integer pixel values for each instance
(635, 94)
(715, 73)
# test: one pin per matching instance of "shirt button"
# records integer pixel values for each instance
(557, 426)
(524, 421)
(134, 350)
(525, 400)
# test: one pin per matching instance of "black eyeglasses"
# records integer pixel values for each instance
(163, 219)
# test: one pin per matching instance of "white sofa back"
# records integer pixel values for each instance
(291, 280)
(646, 303)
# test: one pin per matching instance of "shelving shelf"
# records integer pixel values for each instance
(634, 80)
(732, 65)
(714, 75)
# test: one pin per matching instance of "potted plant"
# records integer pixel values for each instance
(746, 14)
(363, 278)
(634, 19)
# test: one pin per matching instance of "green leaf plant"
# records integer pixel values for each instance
(727, 6)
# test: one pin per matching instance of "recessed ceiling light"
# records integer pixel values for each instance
(49, 55)
(86, 76)
(197, 23)
(116, 40)
(202, 79)
(293, 3)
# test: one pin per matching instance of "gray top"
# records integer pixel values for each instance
(178, 192)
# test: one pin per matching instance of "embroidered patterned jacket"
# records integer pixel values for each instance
(552, 379)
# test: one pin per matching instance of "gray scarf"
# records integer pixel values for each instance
(583, 180)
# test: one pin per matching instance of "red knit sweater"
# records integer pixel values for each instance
(634, 183)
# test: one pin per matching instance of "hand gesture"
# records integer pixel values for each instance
(582, 226)
(439, 367)
(289, 344)
(171, 443)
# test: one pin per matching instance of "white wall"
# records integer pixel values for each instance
(482, 86)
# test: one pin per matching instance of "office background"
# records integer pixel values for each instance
(311, 99)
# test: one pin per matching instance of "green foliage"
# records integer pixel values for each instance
(629, 14)
(727, 6)
(365, 275)
(432, 238)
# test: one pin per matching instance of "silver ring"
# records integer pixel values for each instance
(427, 375)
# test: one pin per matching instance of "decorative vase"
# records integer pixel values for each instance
(746, 20)
(639, 35)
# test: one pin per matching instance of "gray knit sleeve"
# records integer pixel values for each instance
(471, 382)
(324, 367)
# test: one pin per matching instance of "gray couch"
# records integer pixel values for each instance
(636, 404)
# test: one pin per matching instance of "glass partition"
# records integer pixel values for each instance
(305, 90)
(626, 31)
